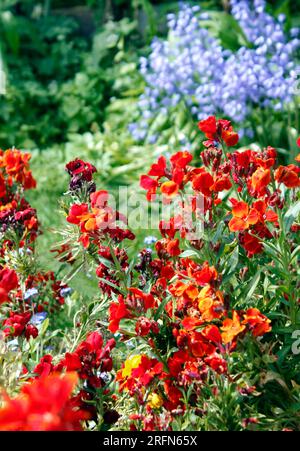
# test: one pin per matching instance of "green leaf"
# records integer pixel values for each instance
(189, 253)
(251, 287)
(160, 308)
(290, 216)
(44, 326)
(232, 262)
(72, 273)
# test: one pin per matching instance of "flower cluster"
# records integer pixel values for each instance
(92, 363)
(185, 331)
(18, 220)
(200, 329)
(27, 296)
(44, 405)
(192, 69)
(97, 219)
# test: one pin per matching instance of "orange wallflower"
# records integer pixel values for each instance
(188, 291)
(231, 328)
(44, 405)
(211, 303)
(169, 189)
(265, 215)
(288, 175)
(259, 324)
(16, 165)
(203, 182)
(259, 181)
(243, 217)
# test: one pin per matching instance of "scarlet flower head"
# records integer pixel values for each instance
(17, 324)
(203, 182)
(218, 130)
(8, 282)
(81, 167)
(243, 217)
(288, 175)
(16, 166)
(117, 311)
(43, 405)
(169, 189)
(259, 181)
(147, 299)
(174, 176)
(138, 372)
(231, 328)
(251, 243)
(258, 323)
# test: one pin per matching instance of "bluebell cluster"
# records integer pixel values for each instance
(193, 68)
(38, 318)
(30, 293)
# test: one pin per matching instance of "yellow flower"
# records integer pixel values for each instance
(155, 401)
(130, 364)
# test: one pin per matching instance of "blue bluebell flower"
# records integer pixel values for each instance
(192, 68)
(30, 293)
(38, 318)
(64, 292)
(150, 239)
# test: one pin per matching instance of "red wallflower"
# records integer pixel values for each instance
(17, 324)
(117, 311)
(150, 185)
(259, 181)
(243, 217)
(16, 166)
(230, 137)
(218, 130)
(143, 326)
(158, 169)
(176, 175)
(258, 323)
(77, 212)
(43, 405)
(209, 127)
(31, 331)
(137, 372)
(81, 168)
(288, 175)
(205, 275)
(172, 247)
(8, 282)
(181, 159)
(251, 243)
(146, 298)
(265, 215)
(203, 182)
(217, 363)
(44, 367)
(231, 328)
(169, 189)
(89, 356)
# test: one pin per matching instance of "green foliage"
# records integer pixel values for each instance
(58, 82)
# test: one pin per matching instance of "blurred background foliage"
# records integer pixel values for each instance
(73, 83)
